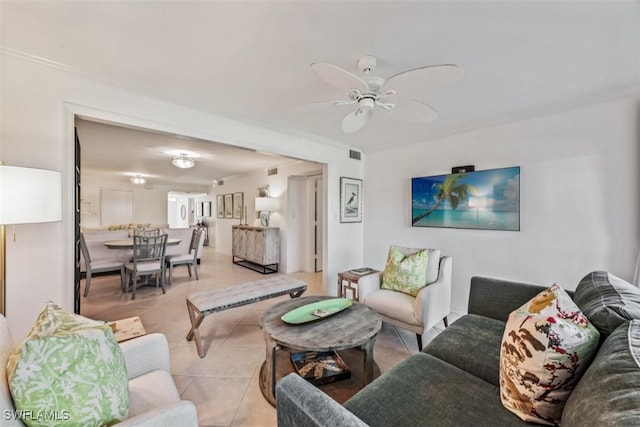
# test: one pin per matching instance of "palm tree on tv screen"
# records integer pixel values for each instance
(451, 191)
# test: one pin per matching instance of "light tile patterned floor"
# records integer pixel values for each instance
(224, 384)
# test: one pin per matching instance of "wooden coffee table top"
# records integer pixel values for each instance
(350, 328)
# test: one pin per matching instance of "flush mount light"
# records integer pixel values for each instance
(183, 161)
(138, 179)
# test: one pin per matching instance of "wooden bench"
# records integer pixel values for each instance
(200, 304)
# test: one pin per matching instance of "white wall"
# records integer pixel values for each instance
(579, 198)
(39, 103)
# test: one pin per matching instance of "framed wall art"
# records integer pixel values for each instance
(350, 200)
(220, 205)
(238, 200)
(228, 205)
(488, 200)
(206, 208)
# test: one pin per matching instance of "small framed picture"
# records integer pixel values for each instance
(238, 205)
(228, 205)
(220, 205)
(350, 200)
(206, 208)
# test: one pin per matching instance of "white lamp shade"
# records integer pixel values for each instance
(266, 204)
(29, 196)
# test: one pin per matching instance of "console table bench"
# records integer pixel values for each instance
(201, 304)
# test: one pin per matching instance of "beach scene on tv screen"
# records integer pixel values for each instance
(488, 199)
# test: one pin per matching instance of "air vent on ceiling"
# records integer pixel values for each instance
(354, 154)
(220, 182)
(272, 171)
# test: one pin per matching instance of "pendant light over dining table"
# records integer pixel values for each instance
(183, 161)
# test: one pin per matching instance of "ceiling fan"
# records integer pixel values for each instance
(371, 91)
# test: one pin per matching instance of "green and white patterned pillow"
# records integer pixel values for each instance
(69, 371)
(405, 273)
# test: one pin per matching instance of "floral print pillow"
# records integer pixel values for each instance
(69, 371)
(547, 345)
(405, 273)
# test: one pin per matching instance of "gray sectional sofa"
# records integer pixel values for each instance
(454, 381)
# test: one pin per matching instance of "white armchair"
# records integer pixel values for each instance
(418, 314)
(153, 398)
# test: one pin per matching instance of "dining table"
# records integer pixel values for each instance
(128, 243)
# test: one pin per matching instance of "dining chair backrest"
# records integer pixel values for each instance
(149, 248)
(146, 231)
(196, 236)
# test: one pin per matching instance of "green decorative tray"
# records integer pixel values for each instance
(316, 311)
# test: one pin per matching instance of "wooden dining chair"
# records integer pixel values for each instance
(98, 266)
(148, 259)
(189, 259)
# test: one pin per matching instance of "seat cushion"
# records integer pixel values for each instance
(609, 392)
(71, 366)
(392, 304)
(152, 390)
(547, 345)
(424, 390)
(607, 301)
(472, 343)
(176, 259)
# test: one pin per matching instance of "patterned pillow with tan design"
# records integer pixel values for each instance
(547, 344)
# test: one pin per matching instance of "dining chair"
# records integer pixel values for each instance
(148, 259)
(98, 266)
(148, 232)
(189, 259)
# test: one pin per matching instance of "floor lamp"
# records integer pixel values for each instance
(27, 196)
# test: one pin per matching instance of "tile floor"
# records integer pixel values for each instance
(224, 384)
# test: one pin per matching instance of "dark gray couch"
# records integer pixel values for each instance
(454, 381)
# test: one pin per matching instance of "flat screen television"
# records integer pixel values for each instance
(488, 200)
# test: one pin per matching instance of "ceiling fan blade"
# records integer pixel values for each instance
(317, 106)
(412, 111)
(424, 79)
(356, 120)
(339, 78)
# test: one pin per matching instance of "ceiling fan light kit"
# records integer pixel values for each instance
(183, 161)
(369, 91)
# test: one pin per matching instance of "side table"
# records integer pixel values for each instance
(349, 280)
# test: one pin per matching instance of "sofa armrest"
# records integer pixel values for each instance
(145, 354)
(433, 302)
(496, 298)
(368, 284)
(182, 413)
(299, 403)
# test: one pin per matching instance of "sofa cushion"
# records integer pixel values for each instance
(608, 392)
(547, 345)
(472, 343)
(70, 366)
(424, 390)
(607, 301)
(405, 273)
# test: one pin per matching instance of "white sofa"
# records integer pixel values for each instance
(153, 397)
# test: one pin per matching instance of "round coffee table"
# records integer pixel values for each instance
(357, 326)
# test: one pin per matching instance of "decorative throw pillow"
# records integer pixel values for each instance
(547, 345)
(607, 301)
(69, 371)
(407, 274)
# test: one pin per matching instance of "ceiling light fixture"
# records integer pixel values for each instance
(183, 161)
(138, 179)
